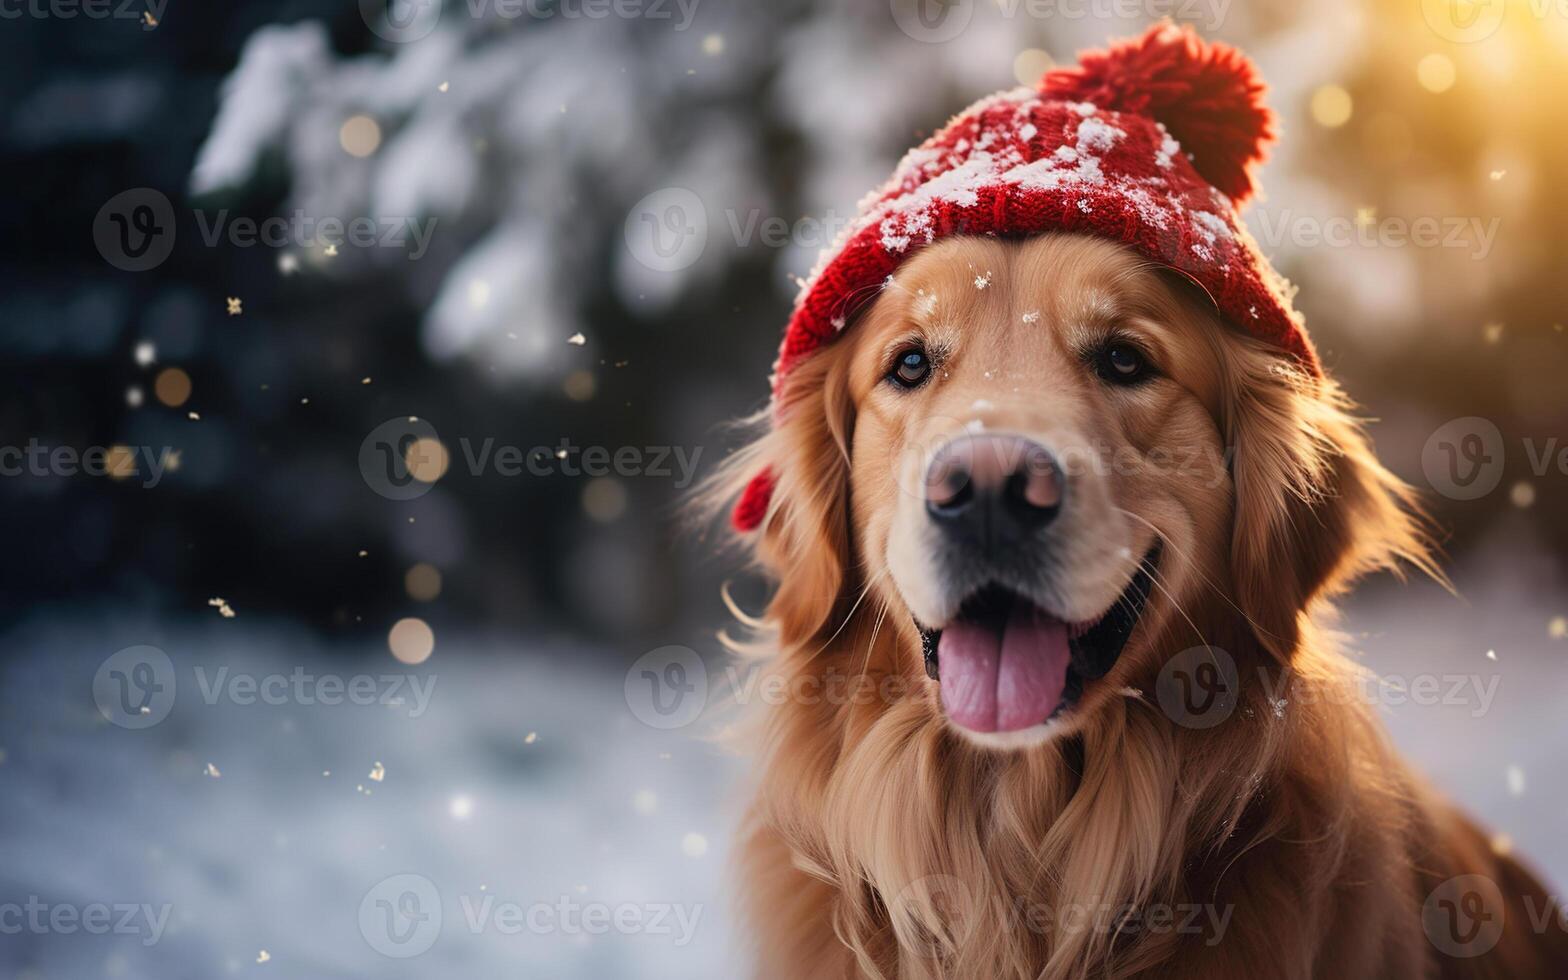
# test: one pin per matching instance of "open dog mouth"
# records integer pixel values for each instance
(1004, 664)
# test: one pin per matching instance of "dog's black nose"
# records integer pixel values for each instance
(992, 488)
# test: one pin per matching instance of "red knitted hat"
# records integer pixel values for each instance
(1151, 143)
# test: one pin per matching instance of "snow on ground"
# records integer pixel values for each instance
(578, 840)
(513, 840)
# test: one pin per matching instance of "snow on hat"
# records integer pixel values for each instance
(1151, 142)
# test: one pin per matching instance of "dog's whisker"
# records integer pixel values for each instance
(870, 584)
(871, 646)
(1197, 569)
(1156, 577)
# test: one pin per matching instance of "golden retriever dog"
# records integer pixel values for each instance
(1053, 559)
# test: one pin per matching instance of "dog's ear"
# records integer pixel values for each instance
(1314, 509)
(803, 538)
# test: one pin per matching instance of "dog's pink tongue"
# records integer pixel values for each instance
(1003, 680)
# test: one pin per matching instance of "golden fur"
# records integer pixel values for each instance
(883, 843)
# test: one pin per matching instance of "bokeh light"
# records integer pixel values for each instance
(1436, 73)
(411, 641)
(426, 459)
(360, 136)
(422, 582)
(1331, 106)
(173, 387)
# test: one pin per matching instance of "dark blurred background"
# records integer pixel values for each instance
(585, 223)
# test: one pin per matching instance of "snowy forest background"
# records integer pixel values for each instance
(529, 146)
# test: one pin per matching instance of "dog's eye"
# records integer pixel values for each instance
(1121, 363)
(910, 368)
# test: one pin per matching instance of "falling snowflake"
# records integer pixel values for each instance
(378, 772)
(983, 281)
(212, 771)
(1515, 781)
(234, 306)
(577, 340)
(222, 605)
(1033, 316)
